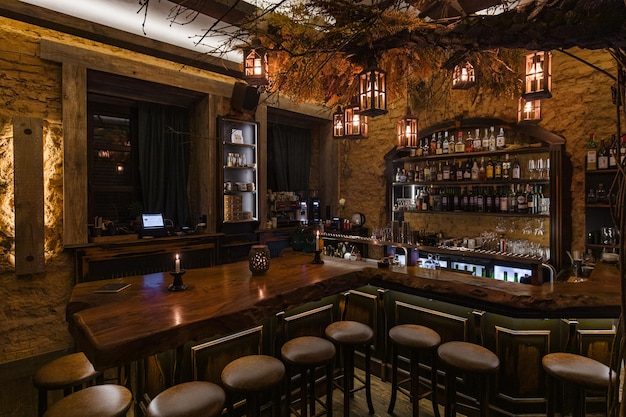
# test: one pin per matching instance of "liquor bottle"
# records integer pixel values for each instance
(504, 201)
(445, 171)
(467, 170)
(439, 149)
(410, 174)
(425, 199)
(530, 208)
(485, 142)
(482, 174)
(477, 146)
(592, 161)
(622, 150)
(475, 171)
(425, 147)
(419, 173)
(427, 176)
(522, 206)
(613, 151)
(512, 200)
(433, 172)
(451, 144)
(459, 147)
(433, 145)
(459, 171)
(469, 143)
(497, 170)
(488, 200)
(500, 140)
(603, 156)
(465, 205)
(492, 139)
(489, 170)
(439, 172)
(446, 143)
(516, 169)
(456, 201)
(480, 200)
(495, 205)
(506, 167)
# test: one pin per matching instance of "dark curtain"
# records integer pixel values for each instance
(164, 161)
(289, 158)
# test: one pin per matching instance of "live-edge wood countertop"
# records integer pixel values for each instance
(146, 318)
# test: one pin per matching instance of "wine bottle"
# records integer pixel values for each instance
(613, 151)
(522, 206)
(459, 147)
(516, 169)
(592, 161)
(477, 146)
(504, 201)
(603, 156)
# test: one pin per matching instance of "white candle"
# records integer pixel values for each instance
(177, 263)
(317, 240)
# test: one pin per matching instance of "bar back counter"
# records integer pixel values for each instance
(178, 331)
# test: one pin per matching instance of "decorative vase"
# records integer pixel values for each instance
(259, 258)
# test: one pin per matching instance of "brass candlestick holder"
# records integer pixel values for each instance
(177, 285)
(316, 258)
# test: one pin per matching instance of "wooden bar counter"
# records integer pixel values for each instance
(145, 319)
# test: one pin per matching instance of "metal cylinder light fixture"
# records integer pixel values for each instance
(373, 92)
(538, 75)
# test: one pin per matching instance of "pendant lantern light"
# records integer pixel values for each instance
(339, 130)
(373, 92)
(407, 131)
(463, 76)
(538, 75)
(255, 64)
(355, 123)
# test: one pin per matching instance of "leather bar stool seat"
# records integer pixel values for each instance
(308, 353)
(252, 375)
(348, 335)
(189, 399)
(107, 400)
(65, 373)
(581, 372)
(416, 339)
(462, 358)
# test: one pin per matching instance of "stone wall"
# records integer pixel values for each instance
(581, 104)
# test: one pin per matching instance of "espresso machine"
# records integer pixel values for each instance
(286, 208)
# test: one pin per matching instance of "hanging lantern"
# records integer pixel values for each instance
(338, 124)
(528, 111)
(255, 64)
(355, 124)
(463, 76)
(372, 92)
(538, 82)
(407, 131)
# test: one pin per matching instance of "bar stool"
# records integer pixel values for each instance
(308, 353)
(467, 358)
(348, 335)
(189, 399)
(417, 339)
(580, 372)
(107, 400)
(252, 375)
(65, 373)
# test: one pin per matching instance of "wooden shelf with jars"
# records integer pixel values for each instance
(522, 162)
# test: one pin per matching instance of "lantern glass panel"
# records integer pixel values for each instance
(538, 75)
(373, 92)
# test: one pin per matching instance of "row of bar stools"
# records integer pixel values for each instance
(467, 358)
(416, 339)
(307, 354)
(580, 372)
(189, 399)
(67, 373)
(107, 400)
(348, 335)
(252, 376)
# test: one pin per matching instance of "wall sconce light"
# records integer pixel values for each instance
(355, 124)
(528, 111)
(338, 124)
(255, 64)
(538, 81)
(372, 92)
(407, 131)
(463, 76)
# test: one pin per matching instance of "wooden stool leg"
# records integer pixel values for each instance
(42, 399)
(368, 378)
(303, 392)
(287, 390)
(484, 396)
(580, 403)
(550, 393)
(329, 389)
(450, 400)
(394, 378)
(347, 379)
(433, 382)
(415, 382)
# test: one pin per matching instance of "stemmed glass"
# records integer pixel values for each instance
(541, 167)
(532, 167)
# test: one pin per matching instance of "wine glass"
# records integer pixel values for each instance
(532, 167)
(541, 166)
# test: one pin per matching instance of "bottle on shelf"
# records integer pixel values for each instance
(467, 170)
(488, 198)
(497, 169)
(516, 169)
(504, 201)
(433, 145)
(512, 200)
(459, 147)
(530, 200)
(613, 153)
(425, 147)
(445, 146)
(489, 170)
(522, 206)
(439, 172)
(480, 200)
(500, 140)
(445, 172)
(485, 142)
(469, 143)
(439, 149)
(459, 171)
(506, 167)
(425, 198)
(492, 139)
(622, 150)
(477, 145)
(456, 200)
(475, 173)
(482, 174)
(592, 161)
(603, 156)
(601, 196)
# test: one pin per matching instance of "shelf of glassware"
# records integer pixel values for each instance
(600, 231)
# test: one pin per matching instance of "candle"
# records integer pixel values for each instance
(177, 264)
(317, 240)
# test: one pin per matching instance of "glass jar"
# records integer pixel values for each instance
(259, 259)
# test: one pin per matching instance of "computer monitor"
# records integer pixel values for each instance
(152, 224)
